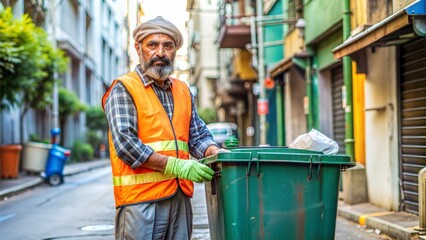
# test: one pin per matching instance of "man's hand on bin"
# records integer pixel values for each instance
(214, 150)
(222, 150)
(188, 169)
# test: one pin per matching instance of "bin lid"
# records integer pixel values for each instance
(278, 154)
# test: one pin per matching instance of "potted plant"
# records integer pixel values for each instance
(35, 153)
(9, 160)
(27, 66)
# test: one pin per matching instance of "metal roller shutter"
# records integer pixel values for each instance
(338, 111)
(412, 120)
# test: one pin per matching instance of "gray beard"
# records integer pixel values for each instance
(158, 73)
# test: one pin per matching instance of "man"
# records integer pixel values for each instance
(154, 128)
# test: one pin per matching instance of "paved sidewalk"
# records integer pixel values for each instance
(399, 225)
(25, 180)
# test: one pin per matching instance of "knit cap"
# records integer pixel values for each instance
(158, 25)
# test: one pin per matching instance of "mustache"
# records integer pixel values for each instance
(164, 59)
(157, 72)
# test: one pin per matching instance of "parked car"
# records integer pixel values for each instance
(222, 130)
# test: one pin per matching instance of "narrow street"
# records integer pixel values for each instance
(258, 73)
(83, 208)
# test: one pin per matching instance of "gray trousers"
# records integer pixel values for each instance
(166, 219)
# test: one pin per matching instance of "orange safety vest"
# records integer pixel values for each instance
(155, 129)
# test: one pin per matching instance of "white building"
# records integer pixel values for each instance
(94, 35)
(203, 50)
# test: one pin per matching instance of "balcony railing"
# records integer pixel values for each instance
(233, 32)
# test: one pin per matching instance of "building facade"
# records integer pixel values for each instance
(203, 51)
(356, 72)
(226, 67)
(388, 48)
(95, 37)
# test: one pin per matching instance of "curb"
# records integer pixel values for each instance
(69, 170)
(85, 168)
(20, 188)
(373, 221)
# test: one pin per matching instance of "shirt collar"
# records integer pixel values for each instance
(146, 80)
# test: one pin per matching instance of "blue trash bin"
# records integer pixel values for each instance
(57, 157)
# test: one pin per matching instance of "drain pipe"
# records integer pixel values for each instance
(422, 201)
(280, 112)
(308, 108)
(253, 49)
(261, 69)
(347, 79)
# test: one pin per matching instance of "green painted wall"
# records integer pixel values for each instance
(321, 15)
(323, 49)
(322, 58)
(274, 54)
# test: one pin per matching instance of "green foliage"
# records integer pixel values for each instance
(98, 125)
(93, 139)
(27, 63)
(69, 103)
(39, 94)
(81, 152)
(208, 115)
(36, 138)
(95, 118)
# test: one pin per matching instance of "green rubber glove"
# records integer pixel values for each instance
(188, 169)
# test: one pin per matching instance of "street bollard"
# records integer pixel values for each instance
(422, 202)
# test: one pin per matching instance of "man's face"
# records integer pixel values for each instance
(157, 53)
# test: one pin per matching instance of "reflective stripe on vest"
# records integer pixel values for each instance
(151, 177)
(140, 178)
(168, 146)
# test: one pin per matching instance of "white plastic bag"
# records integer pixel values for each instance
(315, 141)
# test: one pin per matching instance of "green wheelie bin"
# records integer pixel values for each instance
(274, 193)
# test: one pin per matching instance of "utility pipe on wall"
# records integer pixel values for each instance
(280, 114)
(261, 69)
(347, 79)
(308, 101)
(55, 97)
(257, 50)
(253, 41)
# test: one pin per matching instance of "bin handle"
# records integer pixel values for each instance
(310, 168)
(213, 186)
(218, 173)
(249, 165)
(257, 168)
(319, 167)
(248, 168)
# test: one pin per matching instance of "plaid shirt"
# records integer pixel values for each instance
(122, 119)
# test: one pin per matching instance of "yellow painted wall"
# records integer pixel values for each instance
(399, 4)
(359, 13)
(293, 43)
(242, 67)
(358, 81)
(358, 23)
